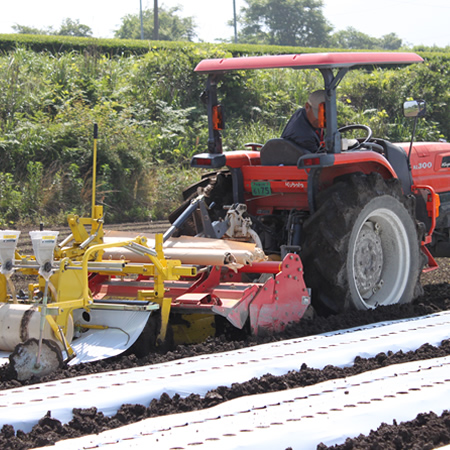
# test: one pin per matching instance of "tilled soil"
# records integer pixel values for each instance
(427, 431)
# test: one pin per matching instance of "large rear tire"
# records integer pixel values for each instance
(362, 245)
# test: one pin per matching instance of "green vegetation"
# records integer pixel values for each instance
(172, 27)
(145, 98)
(353, 39)
(284, 22)
(68, 27)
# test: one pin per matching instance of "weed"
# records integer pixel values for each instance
(151, 122)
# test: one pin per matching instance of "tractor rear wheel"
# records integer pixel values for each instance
(362, 245)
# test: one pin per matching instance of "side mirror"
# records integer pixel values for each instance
(414, 108)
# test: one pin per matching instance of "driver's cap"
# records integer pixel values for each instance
(315, 99)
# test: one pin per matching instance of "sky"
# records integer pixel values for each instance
(414, 21)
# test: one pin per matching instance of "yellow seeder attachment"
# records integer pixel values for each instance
(71, 280)
(68, 301)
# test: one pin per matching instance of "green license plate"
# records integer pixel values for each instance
(261, 188)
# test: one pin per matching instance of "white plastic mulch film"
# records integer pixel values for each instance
(300, 418)
(108, 391)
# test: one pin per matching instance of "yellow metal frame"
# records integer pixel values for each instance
(73, 286)
(69, 285)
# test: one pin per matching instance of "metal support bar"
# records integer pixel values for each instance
(333, 137)
(140, 249)
(42, 323)
(60, 336)
(215, 138)
(183, 217)
(208, 229)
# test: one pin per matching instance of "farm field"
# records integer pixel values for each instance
(428, 430)
(324, 382)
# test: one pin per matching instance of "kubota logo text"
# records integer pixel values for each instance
(294, 184)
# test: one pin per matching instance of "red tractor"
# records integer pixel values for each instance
(365, 220)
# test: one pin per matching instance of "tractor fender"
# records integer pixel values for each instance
(324, 168)
(234, 159)
(343, 163)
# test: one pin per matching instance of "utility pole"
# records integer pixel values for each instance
(142, 23)
(155, 21)
(235, 22)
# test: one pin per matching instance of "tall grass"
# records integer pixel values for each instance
(151, 122)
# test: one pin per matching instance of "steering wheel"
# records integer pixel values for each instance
(367, 129)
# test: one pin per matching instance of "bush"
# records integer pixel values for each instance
(144, 96)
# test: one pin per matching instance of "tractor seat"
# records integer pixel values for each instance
(281, 152)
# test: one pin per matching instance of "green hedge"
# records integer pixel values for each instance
(112, 47)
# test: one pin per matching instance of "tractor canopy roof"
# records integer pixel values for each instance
(333, 67)
(308, 61)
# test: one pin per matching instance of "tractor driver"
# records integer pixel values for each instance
(303, 127)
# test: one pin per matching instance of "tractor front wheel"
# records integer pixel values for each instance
(362, 246)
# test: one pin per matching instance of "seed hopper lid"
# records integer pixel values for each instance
(44, 243)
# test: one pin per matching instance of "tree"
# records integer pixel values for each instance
(390, 42)
(71, 27)
(68, 27)
(171, 26)
(351, 38)
(284, 22)
(23, 29)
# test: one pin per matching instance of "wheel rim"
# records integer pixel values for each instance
(381, 259)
